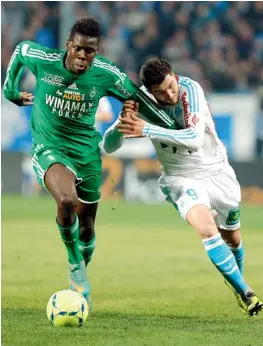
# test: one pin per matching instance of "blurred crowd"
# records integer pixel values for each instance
(219, 43)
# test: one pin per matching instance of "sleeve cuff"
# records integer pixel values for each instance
(146, 130)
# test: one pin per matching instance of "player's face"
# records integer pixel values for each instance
(166, 93)
(81, 52)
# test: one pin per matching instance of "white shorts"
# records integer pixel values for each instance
(220, 193)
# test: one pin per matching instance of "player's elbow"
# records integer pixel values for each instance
(8, 94)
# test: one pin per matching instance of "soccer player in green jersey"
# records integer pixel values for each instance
(65, 151)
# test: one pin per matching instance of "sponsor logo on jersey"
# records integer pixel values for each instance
(68, 108)
(233, 217)
(185, 108)
(73, 95)
(122, 89)
(51, 158)
(52, 79)
(93, 92)
(46, 152)
(73, 86)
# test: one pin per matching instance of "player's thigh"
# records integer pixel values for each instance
(89, 187)
(225, 196)
(184, 194)
(60, 182)
(54, 170)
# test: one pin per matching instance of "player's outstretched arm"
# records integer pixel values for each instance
(190, 138)
(131, 126)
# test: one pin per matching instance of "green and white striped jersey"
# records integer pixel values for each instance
(65, 104)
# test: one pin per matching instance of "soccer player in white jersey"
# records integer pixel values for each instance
(196, 176)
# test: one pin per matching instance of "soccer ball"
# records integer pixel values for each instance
(67, 308)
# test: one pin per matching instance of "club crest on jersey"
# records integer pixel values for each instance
(93, 92)
(194, 119)
(52, 79)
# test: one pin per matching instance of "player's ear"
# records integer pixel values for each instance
(98, 47)
(68, 44)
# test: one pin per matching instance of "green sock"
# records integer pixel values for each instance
(70, 236)
(87, 249)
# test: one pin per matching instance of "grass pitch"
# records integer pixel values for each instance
(152, 281)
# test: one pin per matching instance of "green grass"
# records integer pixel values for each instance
(152, 282)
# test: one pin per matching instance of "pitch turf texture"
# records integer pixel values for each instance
(152, 281)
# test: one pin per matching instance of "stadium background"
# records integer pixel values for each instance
(219, 44)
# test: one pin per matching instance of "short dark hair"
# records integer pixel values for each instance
(86, 26)
(153, 72)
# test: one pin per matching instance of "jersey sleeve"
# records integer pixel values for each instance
(112, 139)
(124, 89)
(29, 54)
(191, 121)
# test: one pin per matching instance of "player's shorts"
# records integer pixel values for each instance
(220, 193)
(88, 176)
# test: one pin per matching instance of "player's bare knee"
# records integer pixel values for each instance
(207, 229)
(67, 204)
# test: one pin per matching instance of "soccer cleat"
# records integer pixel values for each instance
(249, 302)
(78, 280)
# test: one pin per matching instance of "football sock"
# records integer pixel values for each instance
(70, 236)
(238, 252)
(87, 249)
(222, 257)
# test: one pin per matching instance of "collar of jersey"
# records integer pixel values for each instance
(69, 73)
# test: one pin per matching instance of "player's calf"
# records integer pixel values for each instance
(87, 215)
(234, 241)
(60, 182)
(219, 253)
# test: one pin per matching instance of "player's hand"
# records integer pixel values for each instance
(25, 99)
(131, 126)
(128, 106)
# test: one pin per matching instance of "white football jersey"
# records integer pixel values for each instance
(196, 148)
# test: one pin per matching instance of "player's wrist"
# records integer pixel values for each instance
(146, 130)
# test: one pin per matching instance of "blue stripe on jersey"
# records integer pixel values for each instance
(187, 134)
(192, 93)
